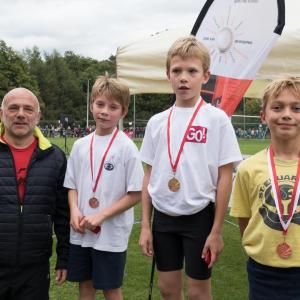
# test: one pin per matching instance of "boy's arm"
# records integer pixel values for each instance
(243, 223)
(126, 202)
(76, 215)
(146, 235)
(214, 242)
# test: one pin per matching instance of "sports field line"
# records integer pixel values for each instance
(233, 224)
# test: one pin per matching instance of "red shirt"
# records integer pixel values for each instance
(22, 158)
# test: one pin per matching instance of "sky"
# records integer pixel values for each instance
(91, 28)
(96, 28)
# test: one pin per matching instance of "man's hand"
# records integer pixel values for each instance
(61, 276)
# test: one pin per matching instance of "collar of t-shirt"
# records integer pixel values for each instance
(22, 158)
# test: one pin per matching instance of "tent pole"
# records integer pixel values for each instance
(87, 103)
(244, 108)
(134, 116)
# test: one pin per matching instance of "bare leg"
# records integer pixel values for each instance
(170, 285)
(86, 291)
(113, 294)
(199, 289)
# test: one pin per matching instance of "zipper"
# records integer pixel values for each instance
(20, 212)
(21, 208)
(33, 159)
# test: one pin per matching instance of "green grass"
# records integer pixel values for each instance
(229, 281)
(249, 146)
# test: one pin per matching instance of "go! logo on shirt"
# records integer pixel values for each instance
(197, 134)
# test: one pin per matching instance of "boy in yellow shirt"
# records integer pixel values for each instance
(266, 198)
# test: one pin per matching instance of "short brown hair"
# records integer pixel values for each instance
(277, 86)
(113, 89)
(189, 47)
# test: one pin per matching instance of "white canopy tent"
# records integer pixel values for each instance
(141, 64)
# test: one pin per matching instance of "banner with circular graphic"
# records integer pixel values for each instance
(239, 35)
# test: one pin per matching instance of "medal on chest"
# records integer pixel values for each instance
(174, 183)
(93, 201)
(283, 249)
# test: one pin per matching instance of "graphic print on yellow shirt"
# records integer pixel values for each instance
(268, 209)
(252, 198)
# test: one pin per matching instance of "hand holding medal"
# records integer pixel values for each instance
(174, 183)
(85, 223)
(207, 257)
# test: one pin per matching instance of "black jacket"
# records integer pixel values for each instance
(26, 229)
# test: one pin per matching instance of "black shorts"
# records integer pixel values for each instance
(105, 269)
(178, 240)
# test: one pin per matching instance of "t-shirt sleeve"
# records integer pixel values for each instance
(147, 149)
(229, 147)
(240, 200)
(70, 178)
(134, 172)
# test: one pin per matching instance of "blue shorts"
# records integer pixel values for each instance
(270, 283)
(105, 269)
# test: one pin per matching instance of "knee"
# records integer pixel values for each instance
(113, 294)
(169, 291)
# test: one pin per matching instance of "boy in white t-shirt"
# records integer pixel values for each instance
(189, 151)
(104, 176)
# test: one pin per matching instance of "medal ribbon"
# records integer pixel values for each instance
(276, 191)
(174, 166)
(103, 158)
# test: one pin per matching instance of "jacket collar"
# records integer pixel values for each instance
(44, 143)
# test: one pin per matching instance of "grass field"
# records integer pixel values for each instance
(229, 280)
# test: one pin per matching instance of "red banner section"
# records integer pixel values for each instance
(225, 93)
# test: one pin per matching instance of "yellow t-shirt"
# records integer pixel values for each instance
(252, 197)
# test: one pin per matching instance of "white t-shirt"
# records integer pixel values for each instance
(122, 172)
(211, 143)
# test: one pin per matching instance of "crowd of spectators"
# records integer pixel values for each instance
(258, 132)
(59, 130)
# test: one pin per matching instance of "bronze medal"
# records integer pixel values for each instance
(284, 250)
(174, 185)
(93, 202)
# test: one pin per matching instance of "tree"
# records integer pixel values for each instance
(14, 71)
(59, 81)
(253, 106)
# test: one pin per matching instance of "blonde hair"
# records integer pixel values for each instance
(189, 47)
(113, 89)
(277, 86)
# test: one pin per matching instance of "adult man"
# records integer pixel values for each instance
(32, 199)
